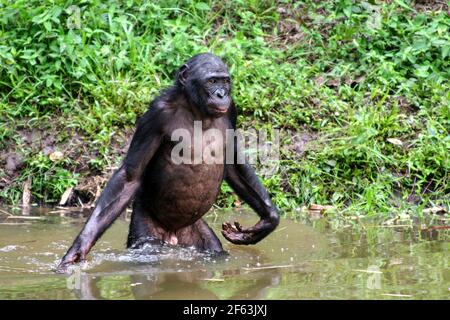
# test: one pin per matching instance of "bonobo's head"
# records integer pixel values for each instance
(206, 81)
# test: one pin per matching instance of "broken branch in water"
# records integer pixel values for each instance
(25, 217)
(14, 223)
(268, 267)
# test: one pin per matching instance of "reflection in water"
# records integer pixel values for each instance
(180, 285)
(298, 261)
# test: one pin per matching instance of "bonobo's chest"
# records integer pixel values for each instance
(185, 175)
(192, 155)
(196, 143)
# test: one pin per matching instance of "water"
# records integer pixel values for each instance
(298, 261)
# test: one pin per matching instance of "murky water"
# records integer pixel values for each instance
(298, 261)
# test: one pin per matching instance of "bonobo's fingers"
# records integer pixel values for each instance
(237, 234)
(66, 262)
(232, 234)
(74, 255)
(63, 267)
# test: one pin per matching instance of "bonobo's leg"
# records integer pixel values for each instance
(145, 229)
(142, 228)
(201, 236)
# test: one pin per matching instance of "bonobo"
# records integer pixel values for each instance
(170, 198)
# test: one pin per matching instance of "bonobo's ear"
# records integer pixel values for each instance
(182, 74)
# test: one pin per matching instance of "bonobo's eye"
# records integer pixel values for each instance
(212, 81)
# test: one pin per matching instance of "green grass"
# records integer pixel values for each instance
(351, 74)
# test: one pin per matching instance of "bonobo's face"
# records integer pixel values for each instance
(217, 88)
(207, 82)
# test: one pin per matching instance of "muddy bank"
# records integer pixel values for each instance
(57, 148)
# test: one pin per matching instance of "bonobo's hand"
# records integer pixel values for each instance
(239, 235)
(76, 253)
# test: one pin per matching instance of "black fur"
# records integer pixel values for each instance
(170, 199)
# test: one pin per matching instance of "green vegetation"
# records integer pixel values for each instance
(347, 75)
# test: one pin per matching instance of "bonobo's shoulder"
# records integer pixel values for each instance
(159, 112)
(158, 109)
(164, 104)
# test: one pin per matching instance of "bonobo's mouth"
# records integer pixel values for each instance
(219, 110)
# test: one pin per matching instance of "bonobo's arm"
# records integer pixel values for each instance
(243, 180)
(122, 186)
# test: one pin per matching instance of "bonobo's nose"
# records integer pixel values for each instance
(220, 93)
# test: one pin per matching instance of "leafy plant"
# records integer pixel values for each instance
(353, 74)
